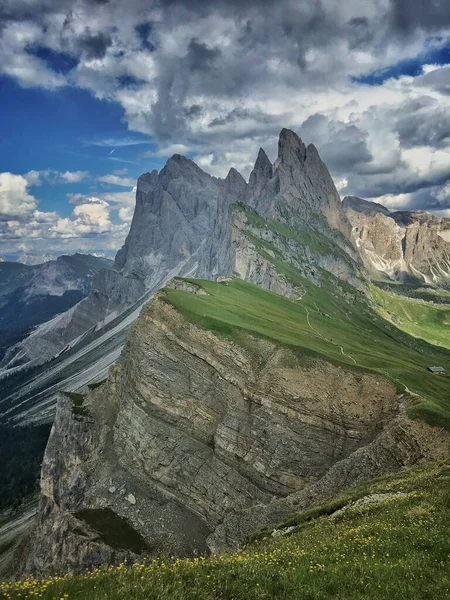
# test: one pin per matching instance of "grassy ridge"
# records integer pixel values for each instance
(342, 329)
(425, 320)
(395, 547)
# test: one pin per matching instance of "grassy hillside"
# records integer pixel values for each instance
(425, 320)
(325, 321)
(393, 544)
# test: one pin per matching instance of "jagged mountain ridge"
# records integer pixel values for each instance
(187, 223)
(406, 246)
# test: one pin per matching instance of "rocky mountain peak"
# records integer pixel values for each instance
(234, 184)
(260, 175)
(407, 246)
(147, 181)
(179, 165)
(291, 149)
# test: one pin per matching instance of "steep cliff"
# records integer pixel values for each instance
(405, 246)
(228, 408)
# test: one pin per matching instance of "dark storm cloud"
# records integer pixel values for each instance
(94, 45)
(359, 32)
(438, 80)
(422, 199)
(342, 146)
(431, 15)
(238, 114)
(423, 122)
(396, 183)
(199, 57)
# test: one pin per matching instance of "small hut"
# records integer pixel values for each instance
(437, 370)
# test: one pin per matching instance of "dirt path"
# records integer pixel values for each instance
(326, 339)
(407, 313)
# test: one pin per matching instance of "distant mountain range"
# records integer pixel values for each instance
(35, 259)
(406, 246)
(32, 295)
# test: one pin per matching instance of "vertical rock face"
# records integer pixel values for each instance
(174, 215)
(306, 186)
(259, 177)
(406, 246)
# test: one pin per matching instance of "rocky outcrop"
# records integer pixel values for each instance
(405, 246)
(195, 441)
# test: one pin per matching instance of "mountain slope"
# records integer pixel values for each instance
(228, 405)
(410, 247)
(31, 295)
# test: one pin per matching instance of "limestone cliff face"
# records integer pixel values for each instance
(296, 192)
(405, 246)
(194, 441)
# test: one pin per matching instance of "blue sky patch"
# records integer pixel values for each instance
(60, 62)
(410, 67)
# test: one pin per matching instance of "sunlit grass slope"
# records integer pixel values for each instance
(323, 321)
(394, 545)
(426, 320)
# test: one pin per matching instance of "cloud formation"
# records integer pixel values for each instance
(114, 179)
(15, 199)
(219, 79)
(24, 227)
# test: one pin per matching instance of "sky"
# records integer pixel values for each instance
(94, 93)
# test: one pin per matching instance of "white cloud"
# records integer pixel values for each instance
(92, 217)
(88, 228)
(116, 180)
(16, 62)
(34, 177)
(126, 214)
(52, 176)
(169, 151)
(15, 199)
(444, 193)
(71, 176)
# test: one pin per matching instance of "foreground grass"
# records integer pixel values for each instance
(325, 322)
(396, 548)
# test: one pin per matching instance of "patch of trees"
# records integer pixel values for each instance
(21, 453)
